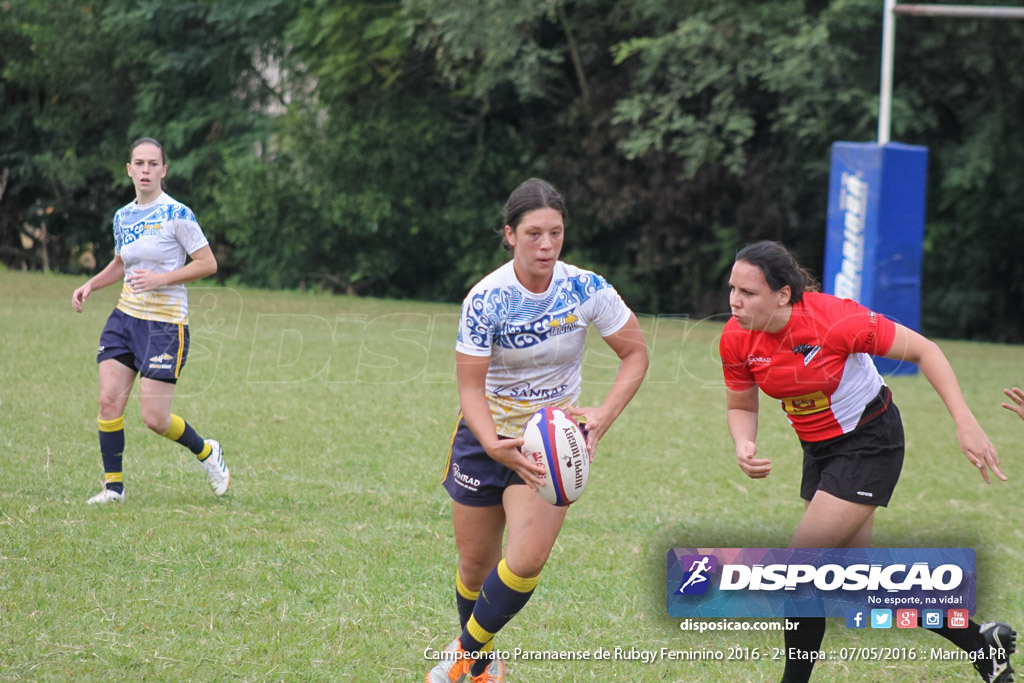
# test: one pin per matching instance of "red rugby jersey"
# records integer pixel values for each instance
(817, 366)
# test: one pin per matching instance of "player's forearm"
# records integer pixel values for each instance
(471, 377)
(190, 272)
(113, 272)
(742, 425)
(477, 414)
(939, 373)
(628, 379)
(911, 346)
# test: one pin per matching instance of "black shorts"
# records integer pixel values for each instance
(862, 466)
(472, 477)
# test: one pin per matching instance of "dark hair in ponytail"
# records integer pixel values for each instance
(780, 268)
(148, 141)
(531, 195)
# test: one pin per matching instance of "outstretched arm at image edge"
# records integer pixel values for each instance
(1017, 396)
(926, 354)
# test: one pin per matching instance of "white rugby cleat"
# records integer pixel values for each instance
(216, 471)
(106, 496)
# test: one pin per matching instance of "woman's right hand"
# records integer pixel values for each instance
(508, 453)
(974, 443)
(752, 466)
(79, 297)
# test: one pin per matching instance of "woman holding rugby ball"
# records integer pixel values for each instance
(147, 334)
(811, 352)
(520, 348)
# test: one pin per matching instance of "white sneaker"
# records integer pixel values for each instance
(106, 496)
(453, 666)
(216, 471)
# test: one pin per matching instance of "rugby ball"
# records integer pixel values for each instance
(555, 442)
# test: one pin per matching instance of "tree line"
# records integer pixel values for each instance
(367, 147)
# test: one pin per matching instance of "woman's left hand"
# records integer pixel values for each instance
(1017, 396)
(144, 280)
(979, 450)
(595, 421)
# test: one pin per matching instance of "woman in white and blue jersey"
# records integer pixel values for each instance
(520, 348)
(147, 333)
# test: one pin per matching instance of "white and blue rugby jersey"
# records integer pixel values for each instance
(535, 341)
(156, 237)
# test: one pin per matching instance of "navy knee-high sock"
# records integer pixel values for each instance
(502, 596)
(465, 599)
(805, 638)
(112, 451)
(183, 433)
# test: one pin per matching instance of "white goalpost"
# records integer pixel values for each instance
(874, 238)
(892, 8)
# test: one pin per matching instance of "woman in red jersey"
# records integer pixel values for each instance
(811, 351)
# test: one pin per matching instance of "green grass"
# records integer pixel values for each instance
(332, 558)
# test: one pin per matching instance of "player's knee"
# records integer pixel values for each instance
(473, 571)
(111, 407)
(157, 421)
(528, 565)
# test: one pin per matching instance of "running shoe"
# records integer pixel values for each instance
(453, 667)
(494, 673)
(216, 471)
(106, 496)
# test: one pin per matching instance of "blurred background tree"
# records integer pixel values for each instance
(367, 147)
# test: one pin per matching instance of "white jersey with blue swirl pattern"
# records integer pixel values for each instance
(156, 237)
(535, 341)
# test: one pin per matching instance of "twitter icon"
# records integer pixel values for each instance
(881, 618)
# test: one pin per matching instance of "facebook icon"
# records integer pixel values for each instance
(856, 618)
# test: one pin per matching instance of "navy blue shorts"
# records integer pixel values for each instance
(156, 350)
(862, 466)
(472, 477)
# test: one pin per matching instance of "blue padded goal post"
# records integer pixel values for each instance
(875, 233)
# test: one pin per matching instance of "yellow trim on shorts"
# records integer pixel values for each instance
(181, 349)
(462, 590)
(516, 583)
(478, 632)
(115, 425)
(451, 447)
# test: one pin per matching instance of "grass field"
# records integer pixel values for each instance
(332, 559)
